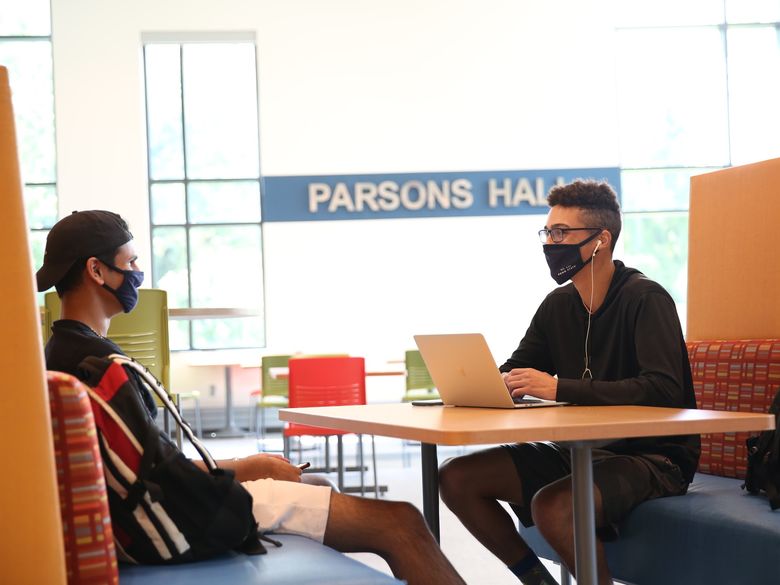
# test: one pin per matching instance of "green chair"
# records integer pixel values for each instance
(141, 334)
(419, 385)
(273, 392)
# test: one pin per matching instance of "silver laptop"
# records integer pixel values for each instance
(466, 374)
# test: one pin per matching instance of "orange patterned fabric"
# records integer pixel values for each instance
(732, 375)
(89, 541)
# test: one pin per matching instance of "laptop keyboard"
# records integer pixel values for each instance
(526, 400)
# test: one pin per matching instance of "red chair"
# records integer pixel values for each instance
(328, 381)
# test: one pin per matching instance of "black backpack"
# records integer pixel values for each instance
(163, 508)
(763, 465)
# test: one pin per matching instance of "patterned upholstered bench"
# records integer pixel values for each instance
(717, 533)
(89, 545)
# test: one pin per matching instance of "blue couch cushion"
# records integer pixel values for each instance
(717, 533)
(300, 561)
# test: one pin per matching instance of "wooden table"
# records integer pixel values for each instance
(582, 427)
(190, 313)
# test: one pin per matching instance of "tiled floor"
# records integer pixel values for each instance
(398, 468)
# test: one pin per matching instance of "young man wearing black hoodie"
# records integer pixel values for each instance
(611, 336)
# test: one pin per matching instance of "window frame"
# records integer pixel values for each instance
(183, 39)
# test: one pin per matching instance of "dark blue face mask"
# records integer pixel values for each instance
(127, 293)
(565, 260)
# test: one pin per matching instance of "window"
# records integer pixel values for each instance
(204, 186)
(754, 92)
(697, 91)
(25, 50)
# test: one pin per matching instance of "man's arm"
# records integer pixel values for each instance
(258, 466)
(529, 370)
(658, 348)
(533, 348)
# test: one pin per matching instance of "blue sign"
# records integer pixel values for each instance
(384, 196)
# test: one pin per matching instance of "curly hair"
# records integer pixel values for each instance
(597, 200)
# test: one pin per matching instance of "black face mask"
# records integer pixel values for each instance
(127, 293)
(565, 260)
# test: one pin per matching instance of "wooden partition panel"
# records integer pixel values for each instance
(31, 543)
(734, 253)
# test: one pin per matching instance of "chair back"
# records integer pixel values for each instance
(90, 555)
(274, 386)
(325, 381)
(30, 540)
(419, 384)
(734, 374)
(142, 334)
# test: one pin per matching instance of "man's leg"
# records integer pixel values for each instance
(395, 531)
(553, 514)
(472, 486)
(621, 482)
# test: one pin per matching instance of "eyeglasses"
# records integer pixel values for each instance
(557, 234)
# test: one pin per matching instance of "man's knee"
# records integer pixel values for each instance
(404, 516)
(552, 506)
(406, 513)
(454, 475)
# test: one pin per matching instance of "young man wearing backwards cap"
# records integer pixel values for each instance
(91, 260)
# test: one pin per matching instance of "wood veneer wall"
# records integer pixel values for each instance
(734, 253)
(31, 543)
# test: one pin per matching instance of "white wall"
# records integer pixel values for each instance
(351, 86)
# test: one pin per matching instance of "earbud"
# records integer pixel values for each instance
(598, 245)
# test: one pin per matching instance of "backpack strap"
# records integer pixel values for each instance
(158, 390)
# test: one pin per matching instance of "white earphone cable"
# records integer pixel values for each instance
(586, 372)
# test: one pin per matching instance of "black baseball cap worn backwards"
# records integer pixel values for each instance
(82, 234)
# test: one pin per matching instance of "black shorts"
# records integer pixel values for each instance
(625, 481)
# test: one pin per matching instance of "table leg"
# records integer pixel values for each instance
(340, 464)
(584, 516)
(230, 429)
(430, 487)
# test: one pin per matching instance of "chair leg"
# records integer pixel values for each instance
(198, 421)
(362, 466)
(262, 421)
(373, 463)
(286, 447)
(177, 434)
(327, 454)
(166, 421)
(340, 456)
(565, 576)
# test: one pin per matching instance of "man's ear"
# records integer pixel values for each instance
(94, 270)
(606, 240)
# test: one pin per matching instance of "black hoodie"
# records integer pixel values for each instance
(637, 356)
